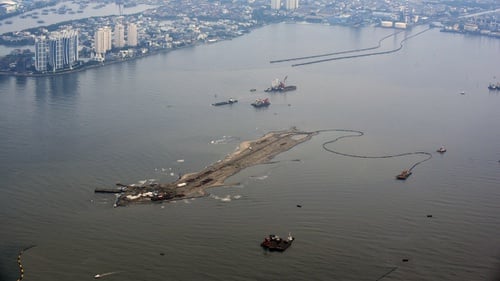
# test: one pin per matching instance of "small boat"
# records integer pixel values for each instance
(229, 101)
(97, 276)
(493, 86)
(442, 149)
(275, 243)
(404, 175)
(261, 103)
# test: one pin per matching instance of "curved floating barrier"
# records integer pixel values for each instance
(359, 134)
(21, 269)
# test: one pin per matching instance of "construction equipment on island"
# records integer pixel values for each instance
(280, 86)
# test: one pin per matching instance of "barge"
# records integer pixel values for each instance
(261, 103)
(276, 243)
(229, 101)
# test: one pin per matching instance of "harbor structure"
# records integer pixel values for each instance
(132, 35)
(119, 35)
(57, 51)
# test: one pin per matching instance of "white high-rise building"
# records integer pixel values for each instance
(119, 36)
(70, 47)
(41, 54)
(291, 4)
(132, 35)
(58, 51)
(275, 4)
(102, 40)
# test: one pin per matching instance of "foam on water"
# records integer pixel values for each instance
(225, 140)
(259, 177)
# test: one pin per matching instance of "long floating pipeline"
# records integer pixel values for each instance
(359, 134)
(364, 55)
(340, 52)
(21, 269)
(387, 273)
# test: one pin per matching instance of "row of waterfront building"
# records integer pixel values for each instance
(175, 24)
(103, 38)
(59, 50)
(56, 51)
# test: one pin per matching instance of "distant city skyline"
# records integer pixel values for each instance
(174, 25)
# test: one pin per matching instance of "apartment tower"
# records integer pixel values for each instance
(132, 35)
(291, 4)
(119, 34)
(275, 4)
(57, 51)
(102, 40)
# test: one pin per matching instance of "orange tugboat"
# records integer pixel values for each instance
(275, 243)
(404, 175)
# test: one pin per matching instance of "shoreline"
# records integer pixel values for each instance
(86, 67)
(103, 64)
(193, 185)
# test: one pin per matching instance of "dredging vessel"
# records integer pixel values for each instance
(280, 86)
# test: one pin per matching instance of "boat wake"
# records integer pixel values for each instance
(225, 140)
(227, 198)
(259, 177)
(97, 276)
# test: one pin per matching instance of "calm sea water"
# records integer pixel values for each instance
(63, 136)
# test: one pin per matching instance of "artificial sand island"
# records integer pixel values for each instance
(249, 153)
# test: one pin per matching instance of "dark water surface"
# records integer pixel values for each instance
(63, 136)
